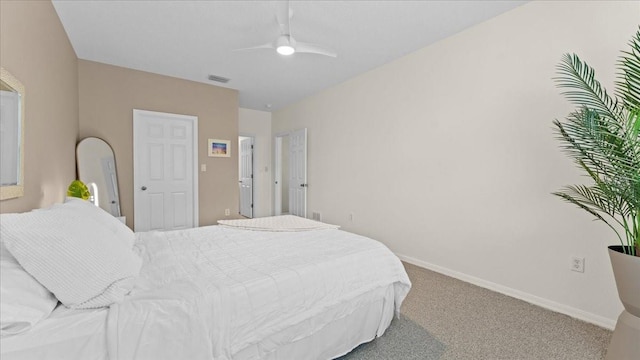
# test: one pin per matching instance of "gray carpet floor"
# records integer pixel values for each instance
(446, 319)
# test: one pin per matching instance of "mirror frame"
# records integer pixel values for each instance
(14, 191)
(83, 157)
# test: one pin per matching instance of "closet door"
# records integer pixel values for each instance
(165, 165)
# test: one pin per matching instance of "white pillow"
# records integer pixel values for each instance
(120, 230)
(74, 256)
(23, 300)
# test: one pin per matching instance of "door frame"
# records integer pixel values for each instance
(194, 140)
(253, 172)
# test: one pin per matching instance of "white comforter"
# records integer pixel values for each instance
(209, 292)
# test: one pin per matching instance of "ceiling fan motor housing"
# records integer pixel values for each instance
(285, 45)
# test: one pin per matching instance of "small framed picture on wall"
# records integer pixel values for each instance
(219, 148)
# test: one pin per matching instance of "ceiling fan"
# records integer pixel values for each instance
(285, 44)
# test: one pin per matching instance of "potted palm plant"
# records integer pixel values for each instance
(602, 136)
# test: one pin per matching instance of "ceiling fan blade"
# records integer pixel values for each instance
(263, 46)
(314, 49)
(284, 13)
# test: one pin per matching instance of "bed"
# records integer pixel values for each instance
(242, 290)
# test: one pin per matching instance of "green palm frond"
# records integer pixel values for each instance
(603, 138)
(597, 139)
(602, 146)
(590, 209)
(582, 87)
(628, 84)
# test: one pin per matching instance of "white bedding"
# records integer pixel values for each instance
(66, 334)
(277, 223)
(214, 292)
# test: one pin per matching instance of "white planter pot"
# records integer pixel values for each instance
(625, 342)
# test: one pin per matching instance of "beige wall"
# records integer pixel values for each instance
(108, 95)
(35, 49)
(448, 155)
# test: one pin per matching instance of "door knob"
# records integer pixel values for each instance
(143, 188)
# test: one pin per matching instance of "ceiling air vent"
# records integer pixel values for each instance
(218, 79)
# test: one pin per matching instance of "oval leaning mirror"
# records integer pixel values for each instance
(97, 169)
(11, 136)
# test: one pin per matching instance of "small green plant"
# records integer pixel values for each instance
(603, 137)
(78, 189)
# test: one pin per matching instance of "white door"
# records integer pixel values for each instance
(246, 177)
(165, 180)
(298, 173)
(277, 191)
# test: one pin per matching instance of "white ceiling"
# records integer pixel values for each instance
(193, 39)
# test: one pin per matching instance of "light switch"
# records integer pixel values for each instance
(203, 167)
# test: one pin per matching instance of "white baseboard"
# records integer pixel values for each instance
(536, 300)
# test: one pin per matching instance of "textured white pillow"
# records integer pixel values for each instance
(120, 230)
(74, 256)
(23, 300)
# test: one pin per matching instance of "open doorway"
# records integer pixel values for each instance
(281, 194)
(290, 175)
(245, 175)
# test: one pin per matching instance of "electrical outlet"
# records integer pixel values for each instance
(351, 217)
(227, 212)
(577, 264)
(317, 216)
